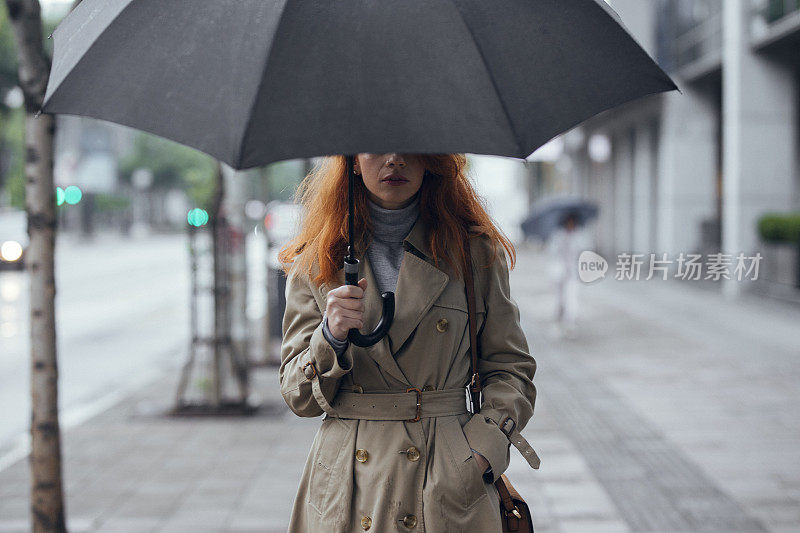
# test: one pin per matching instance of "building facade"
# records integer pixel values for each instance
(693, 171)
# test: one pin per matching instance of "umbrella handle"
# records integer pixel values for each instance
(382, 328)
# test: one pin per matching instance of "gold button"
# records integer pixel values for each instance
(410, 521)
(366, 522)
(362, 455)
(309, 370)
(428, 387)
(412, 454)
(441, 325)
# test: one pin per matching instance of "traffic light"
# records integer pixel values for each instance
(72, 195)
(197, 217)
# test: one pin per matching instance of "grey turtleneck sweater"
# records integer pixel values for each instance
(389, 228)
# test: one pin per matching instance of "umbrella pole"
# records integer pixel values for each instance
(350, 261)
(350, 179)
(351, 273)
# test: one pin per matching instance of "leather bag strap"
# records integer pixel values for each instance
(475, 381)
(505, 495)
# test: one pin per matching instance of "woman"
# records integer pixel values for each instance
(433, 472)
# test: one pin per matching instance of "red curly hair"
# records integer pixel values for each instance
(448, 205)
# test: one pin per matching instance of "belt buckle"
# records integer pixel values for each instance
(504, 424)
(419, 404)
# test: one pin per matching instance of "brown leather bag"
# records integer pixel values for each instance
(514, 512)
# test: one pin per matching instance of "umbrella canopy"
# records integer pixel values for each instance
(549, 215)
(251, 82)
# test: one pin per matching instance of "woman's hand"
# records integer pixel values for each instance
(481, 460)
(345, 309)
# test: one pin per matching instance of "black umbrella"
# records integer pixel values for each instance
(251, 82)
(552, 213)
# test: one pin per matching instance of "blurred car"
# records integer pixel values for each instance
(281, 222)
(13, 239)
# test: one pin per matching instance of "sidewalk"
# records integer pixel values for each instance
(133, 469)
(683, 403)
(673, 410)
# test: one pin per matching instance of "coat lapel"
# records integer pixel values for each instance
(373, 308)
(419, 285)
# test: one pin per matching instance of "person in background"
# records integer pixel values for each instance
(565, 245)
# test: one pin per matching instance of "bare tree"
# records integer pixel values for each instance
(227, 355)
(47, 495)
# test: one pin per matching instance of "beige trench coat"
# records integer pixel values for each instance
(379, 475)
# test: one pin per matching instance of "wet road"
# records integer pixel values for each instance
(122, 309)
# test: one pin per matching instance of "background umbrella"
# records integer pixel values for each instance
(251, 82)
(549, 215)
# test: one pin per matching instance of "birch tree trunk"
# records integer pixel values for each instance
(47, 498)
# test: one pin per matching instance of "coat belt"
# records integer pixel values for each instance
(409, 406)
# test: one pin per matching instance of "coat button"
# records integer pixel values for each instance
(309, 370)
(362, 455)
(410, 521)
(366, 522)
(441, 325)
(428, 387)
(412, 454)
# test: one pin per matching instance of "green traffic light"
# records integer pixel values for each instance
(59, 196)
(197, 217)
(72, 195)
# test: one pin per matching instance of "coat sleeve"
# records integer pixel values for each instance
(506, 370)
(310, 371)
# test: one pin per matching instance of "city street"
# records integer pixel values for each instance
(671, 410)
(606, 139)
(122, 314)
